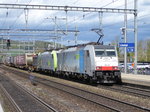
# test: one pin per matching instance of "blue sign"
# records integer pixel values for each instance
(126, 44)
(130, 49)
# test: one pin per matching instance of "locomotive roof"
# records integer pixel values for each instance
(96, 46)
(103, 47)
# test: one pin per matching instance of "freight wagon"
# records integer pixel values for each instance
(24, 60)
(89, 62)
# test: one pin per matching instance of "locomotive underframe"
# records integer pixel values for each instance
(108, 76)
(98, 77)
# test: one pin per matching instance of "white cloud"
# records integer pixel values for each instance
(37, 18)
(72, 42)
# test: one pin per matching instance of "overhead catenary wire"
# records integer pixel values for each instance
(26, 12)
(140, 17)
(75, 2)
(86, 15)
(37, 26)
(12, 25)
(83, 16)
(100, 19)
(130, 20)
(79, 18)
(54, 20)
(99, 31)
(105, 5)
(5, 18)
(113, 2)
(8, 12)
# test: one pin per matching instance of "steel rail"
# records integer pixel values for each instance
(25, 76)
(133, 92)
(113, 99)
(17, 108)
(50, 108)
(135, 88)
(61, 89)
(36, 98)
(98, 95)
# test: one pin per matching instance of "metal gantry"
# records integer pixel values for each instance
(84, 9)
(66, 8)
(31, 36)
(35, 31)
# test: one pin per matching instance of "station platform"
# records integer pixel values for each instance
(143, 80)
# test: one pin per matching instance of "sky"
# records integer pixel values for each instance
(111, 23)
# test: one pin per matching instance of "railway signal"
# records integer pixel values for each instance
(8, 43)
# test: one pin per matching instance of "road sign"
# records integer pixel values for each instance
(130, 49)
(126, 44)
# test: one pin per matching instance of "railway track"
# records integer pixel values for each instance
(21, 99)
(10, 99)
(135, 91)
(111, 103)
(100, 100)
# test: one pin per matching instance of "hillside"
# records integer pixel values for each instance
(19, 47)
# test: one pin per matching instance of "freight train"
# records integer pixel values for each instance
(24, 61)
(93, 63)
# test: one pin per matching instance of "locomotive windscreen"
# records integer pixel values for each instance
(99, 53)
(104, 53)
(104, 50)
(110, 53)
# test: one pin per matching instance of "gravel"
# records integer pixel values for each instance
(6, 105)
(65, 103)
(62, 101)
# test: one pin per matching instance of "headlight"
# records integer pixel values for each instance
(98, 68)
(115, 67)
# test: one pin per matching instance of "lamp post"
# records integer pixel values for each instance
(135, 35)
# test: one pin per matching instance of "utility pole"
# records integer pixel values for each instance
(76, 32)
(56, 27)
(24, 46)
(2, 43)
(66, 22)
(26, 12)
(135, 35)
(125, 39)
(76, 35)
(33, 48)
(56, 33)
(146, 51)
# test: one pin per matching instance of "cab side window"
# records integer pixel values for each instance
(87, 53)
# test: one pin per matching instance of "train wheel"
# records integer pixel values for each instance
(119, 81)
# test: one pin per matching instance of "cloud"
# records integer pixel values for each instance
(83, 20)
(37, 16)
(72, 42)
(144, 2)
